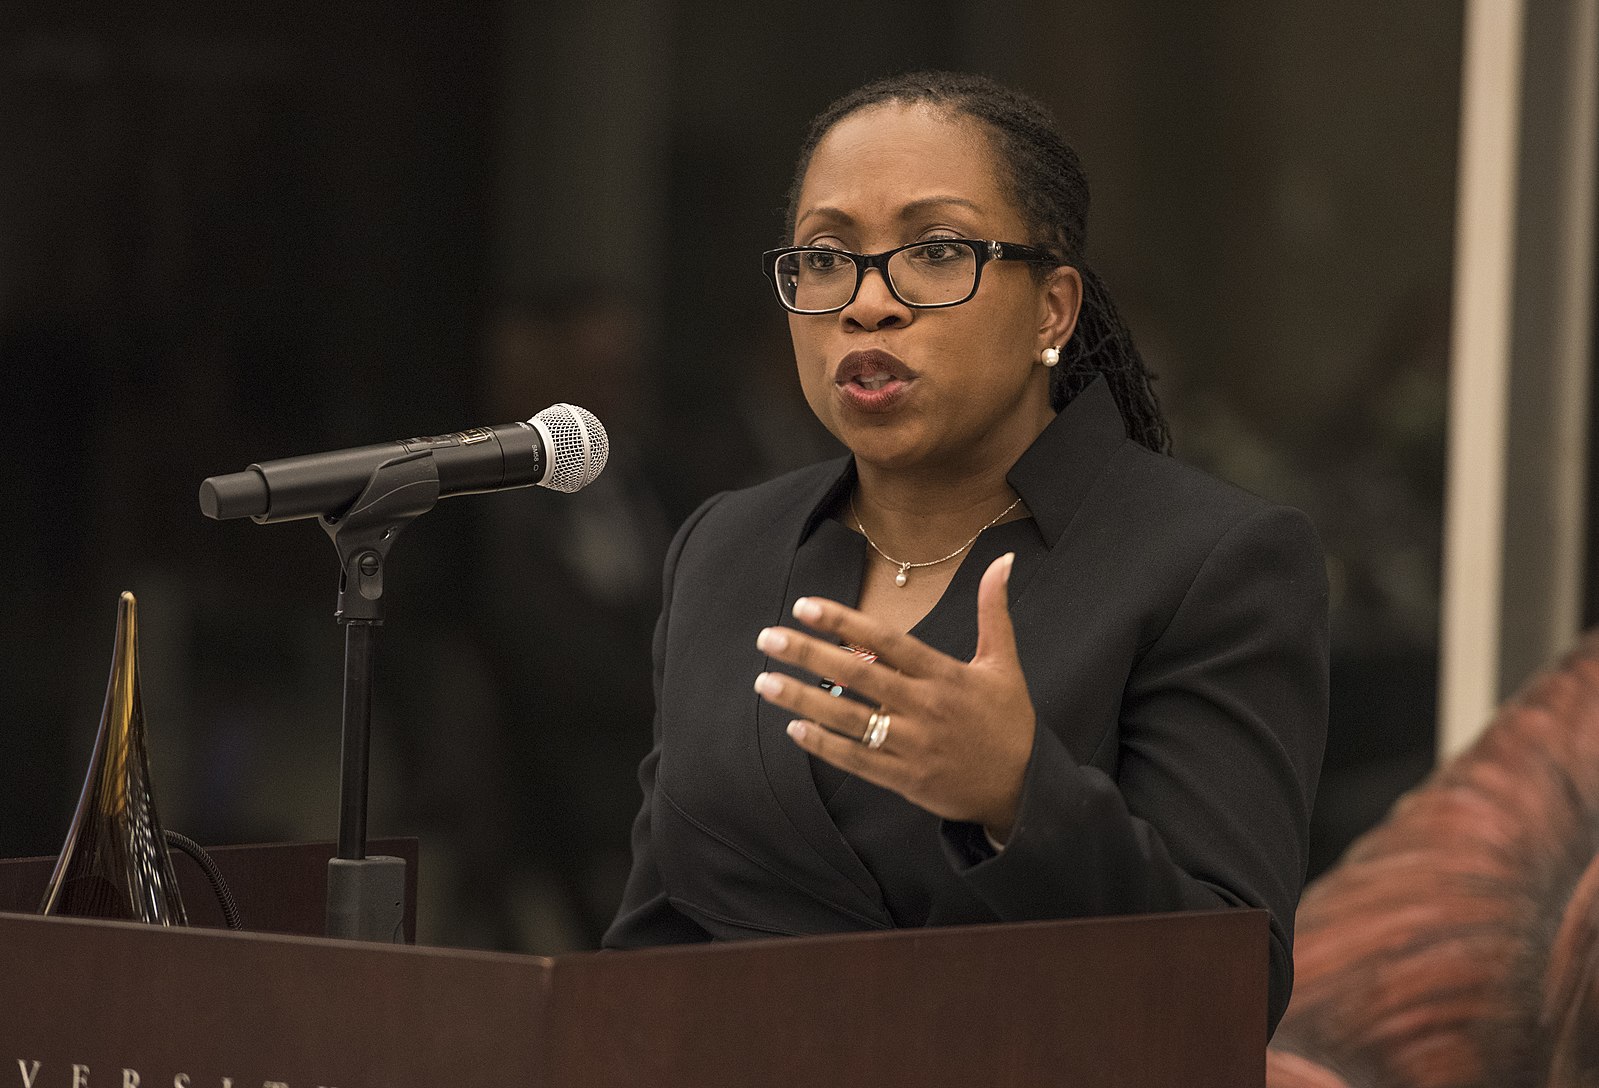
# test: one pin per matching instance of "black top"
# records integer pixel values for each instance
(878, 824)
(1172, 630)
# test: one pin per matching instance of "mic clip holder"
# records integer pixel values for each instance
(399, 491)
(366, 895)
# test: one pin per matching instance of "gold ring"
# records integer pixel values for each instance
(876, 729)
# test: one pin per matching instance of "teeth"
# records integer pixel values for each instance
(875, 381)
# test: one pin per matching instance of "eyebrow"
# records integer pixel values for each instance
(909, 211)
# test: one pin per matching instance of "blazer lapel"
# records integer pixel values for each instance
(827, 564)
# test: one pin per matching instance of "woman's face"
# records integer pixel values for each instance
(915, 389)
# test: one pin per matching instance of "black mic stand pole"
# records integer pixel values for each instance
(366, 895)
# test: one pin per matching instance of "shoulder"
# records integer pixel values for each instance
(796, 491)
(739, 530)
(1181, 488)
(1177, 509)
(1242, 569)
(1154, 536)
(780, 505)
(1093, 487)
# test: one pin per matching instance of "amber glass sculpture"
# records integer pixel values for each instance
(115, 862)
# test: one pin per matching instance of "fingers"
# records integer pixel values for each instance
(844, 753)
(909, 655)
(846, 717)
(879, 683)
(958, 735)
(996, 637)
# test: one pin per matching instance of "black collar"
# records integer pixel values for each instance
(1052, 476)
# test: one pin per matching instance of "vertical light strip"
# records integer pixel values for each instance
(1485, 237)
(1573, 331)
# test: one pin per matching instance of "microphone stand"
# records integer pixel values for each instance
(366, 895)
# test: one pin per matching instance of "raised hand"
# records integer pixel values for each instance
(957, 735)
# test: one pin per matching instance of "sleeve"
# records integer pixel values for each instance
(1221, 731)
(646, 916)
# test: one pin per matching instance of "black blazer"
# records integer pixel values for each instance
(1173, 632)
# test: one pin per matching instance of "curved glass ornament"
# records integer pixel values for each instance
(115, 863)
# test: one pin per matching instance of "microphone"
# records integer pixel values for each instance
(563, 448)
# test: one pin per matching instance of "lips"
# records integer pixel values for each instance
(872, 369)
(872, 380)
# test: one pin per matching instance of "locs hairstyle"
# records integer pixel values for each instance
(1046, 180)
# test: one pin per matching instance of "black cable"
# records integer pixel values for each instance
(230, 909)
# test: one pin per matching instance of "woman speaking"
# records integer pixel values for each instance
(1007, 660)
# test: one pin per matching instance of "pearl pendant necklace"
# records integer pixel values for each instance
(905, 566)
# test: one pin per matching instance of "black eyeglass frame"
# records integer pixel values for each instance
(983, 249)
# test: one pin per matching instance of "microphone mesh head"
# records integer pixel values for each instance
(578, 446)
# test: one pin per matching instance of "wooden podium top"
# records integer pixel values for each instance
(1168, 1000)
(279, 887)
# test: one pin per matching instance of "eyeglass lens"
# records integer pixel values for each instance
(930, 274)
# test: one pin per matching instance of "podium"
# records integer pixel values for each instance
(1174, 1001)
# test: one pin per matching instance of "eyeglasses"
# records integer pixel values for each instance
(926, 275)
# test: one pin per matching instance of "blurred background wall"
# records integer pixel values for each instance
(232, 233)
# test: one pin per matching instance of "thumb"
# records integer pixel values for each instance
(996, 638)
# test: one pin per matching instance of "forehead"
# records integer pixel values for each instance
(881, 160)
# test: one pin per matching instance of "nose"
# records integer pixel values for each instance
(875, 306)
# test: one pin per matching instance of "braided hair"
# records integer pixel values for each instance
(1048, 185)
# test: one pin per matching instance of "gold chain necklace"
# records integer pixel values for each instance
(905, 568)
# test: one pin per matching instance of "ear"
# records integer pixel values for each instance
(1059, 302)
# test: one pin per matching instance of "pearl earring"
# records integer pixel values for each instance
(1051, 356)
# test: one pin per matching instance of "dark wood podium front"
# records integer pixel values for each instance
(1158, 1000)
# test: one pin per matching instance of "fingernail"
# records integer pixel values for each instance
(807, 610)
(771, 640)
(767, 684)
(1010, 561)
(796, 729)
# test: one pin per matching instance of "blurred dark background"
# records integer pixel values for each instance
(230, 233)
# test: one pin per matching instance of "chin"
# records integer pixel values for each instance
(895, 452)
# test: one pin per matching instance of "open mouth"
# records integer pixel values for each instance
(871, 370)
